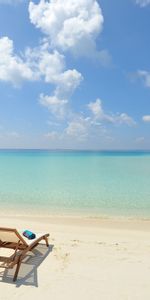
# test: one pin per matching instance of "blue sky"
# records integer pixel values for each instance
(75, 74)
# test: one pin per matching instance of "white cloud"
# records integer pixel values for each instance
(65, 84)
(55, 105)
(51, 66)
(69, 24)
(143, 3)
(96, 108)
(84, 128)
(146, 118)
(78, 128)
(125, 119)
(12, 68)
(99, 114)
(45, 63)
(39, 63)
(144, 76)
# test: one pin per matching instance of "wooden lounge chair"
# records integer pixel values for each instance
(13, 239)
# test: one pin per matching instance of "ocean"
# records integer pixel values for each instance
(86, 182)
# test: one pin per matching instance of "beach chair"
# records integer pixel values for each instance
(13, 239)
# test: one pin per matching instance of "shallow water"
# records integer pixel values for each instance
(72, 181)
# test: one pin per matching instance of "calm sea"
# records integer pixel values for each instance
(110, 183)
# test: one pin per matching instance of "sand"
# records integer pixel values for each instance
(88, 258)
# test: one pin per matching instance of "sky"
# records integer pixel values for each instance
(75, 74)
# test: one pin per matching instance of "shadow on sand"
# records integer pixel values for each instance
(28, 274)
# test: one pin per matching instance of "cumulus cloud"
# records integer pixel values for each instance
(45, 63)
(83, 127)
(55, 105)
(65, 81)
(96, 108)
(12, 67)
(37, 64)
(78, 127)
(50, 62)
(99, 114)
(143, 3)
(50, 65)
(146, 118)
(69, 24)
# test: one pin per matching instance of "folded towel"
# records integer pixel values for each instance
(30, 235)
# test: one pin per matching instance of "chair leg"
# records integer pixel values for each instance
(46, 240)
(17, 270)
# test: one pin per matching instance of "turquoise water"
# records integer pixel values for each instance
(76, 181)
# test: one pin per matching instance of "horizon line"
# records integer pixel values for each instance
(74, 149)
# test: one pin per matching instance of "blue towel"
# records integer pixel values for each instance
(28, 234)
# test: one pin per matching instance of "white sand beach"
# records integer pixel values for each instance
(88, 258)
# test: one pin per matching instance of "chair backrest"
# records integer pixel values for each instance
(11, 235)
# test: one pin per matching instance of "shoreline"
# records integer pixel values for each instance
(80, 220)
(23, 210)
